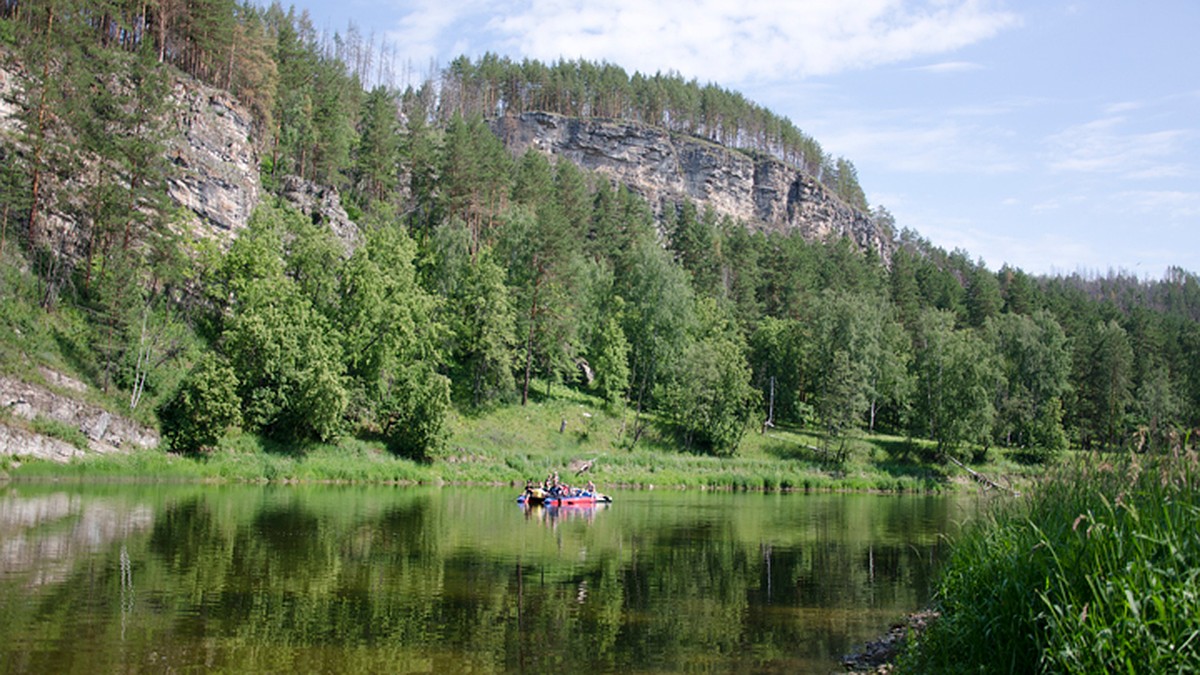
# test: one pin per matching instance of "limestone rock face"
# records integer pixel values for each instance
(217, 169)
(106, 432)
(8, 105)
(324, 205)
(665, 167)
(216, 175)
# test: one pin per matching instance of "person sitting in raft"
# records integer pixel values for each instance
(590, 489)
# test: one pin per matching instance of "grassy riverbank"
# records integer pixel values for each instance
(508, 445)
(1095, 574)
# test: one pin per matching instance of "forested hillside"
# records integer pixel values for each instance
(483, 276)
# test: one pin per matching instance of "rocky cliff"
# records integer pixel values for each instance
(58, 400)
(213, 149)
(216, 174)
(216, 163)
(215, 178)
(665, 167)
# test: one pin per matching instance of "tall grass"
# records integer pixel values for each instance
(1095, 573)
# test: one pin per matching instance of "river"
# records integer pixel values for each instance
(332, 579)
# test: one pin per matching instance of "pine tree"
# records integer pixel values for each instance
(377, 156)
(1104, 379)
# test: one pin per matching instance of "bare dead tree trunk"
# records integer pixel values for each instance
(143, 362)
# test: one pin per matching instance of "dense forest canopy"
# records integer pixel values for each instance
(482, 276)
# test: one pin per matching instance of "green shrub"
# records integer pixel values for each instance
(8, 32)
(204, 406)
(60, 430)
(415, 414)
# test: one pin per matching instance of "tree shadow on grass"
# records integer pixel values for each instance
(903, 458)
(294, 449)
(75, 354)
(806, 445)
(789, 451)
(906, 458)
(914, 470)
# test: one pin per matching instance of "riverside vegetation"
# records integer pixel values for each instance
(492, 297)
(1096, 575)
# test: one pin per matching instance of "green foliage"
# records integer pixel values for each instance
(1035, 360)
(206, 404)
(473, 179)
(286, 354)
(377, 156)
(1048, 436)
(858, 361)
(484, 325)
(289, 369)
(983, 296)
(779, 351)
(1093, 574)
(8, 32)
(413, 410)
(956, 377)
(844, 180)
(658, 316)
(386, 320)
(694, 241)
(610, 359)
(1103, 373)
(53, 428)
(707, 395)
(1157, 408)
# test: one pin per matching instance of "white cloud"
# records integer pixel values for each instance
(906, 142)
(1105, 146)
(430, 30)
(1122, 107)
(1174, 204)
(727, 41)
(950, 67)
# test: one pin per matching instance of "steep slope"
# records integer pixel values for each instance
(664, 167)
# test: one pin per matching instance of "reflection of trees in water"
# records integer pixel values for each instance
(459, 583)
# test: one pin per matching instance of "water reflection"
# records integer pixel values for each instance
(42, 536)
(551, 515)
(353, 579)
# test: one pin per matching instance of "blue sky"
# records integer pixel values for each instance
(1055, 136)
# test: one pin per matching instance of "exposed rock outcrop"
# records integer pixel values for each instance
(324, 206)
(879, 656)
(665, 167)
(105, 432)
(217, 169)
(8, 93)
(213, 150)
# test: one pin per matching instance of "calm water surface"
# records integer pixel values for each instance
(353, 579)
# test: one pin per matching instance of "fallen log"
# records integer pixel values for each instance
(982, 479)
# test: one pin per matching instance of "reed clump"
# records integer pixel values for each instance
(1097, 571)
